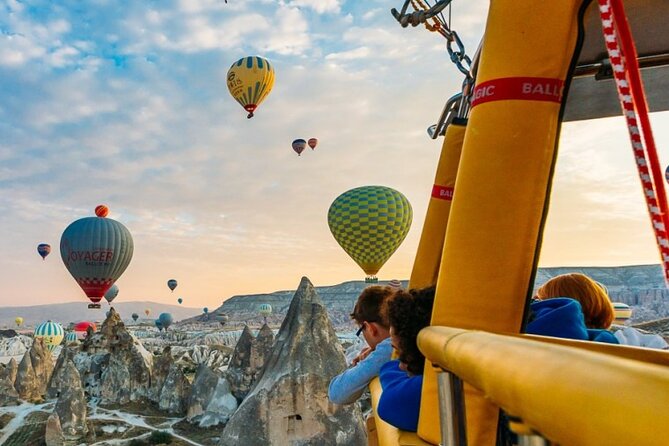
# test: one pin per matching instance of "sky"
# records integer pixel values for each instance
(125, 104)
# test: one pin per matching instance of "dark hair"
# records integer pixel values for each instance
(408, 313)
(368, 308)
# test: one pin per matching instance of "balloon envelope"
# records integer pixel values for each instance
(313, 142)
(172, 284)
(18, 320)
(111, 293)
(299, 145)
(96, 251)
(51, 332)
(43, 249)
(165, 320)
(250, 80)
(159, 325)
(71, 337)
(180, 300)
(265, 309)
(81, 328)
(101, 210)
(147, 311)
(622, 312)
(205, 310)
(370, 223)
(222, 318)
(135, 316)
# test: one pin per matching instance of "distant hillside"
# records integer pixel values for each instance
(78, 311)
(641, 286)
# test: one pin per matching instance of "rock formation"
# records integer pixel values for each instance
(54, 432)
(127, 375)
(240, 374)
(261, 348)
(34, 372)
(289, 404)
(211, 401)
(58, 376)
(8, 394)
(9, 371)
(175, 392)
(71, 405)
(161, 368)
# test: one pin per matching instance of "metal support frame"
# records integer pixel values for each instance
(452, 410)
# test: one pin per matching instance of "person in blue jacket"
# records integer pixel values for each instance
(402, 379)
(562, 317)
(349, 385)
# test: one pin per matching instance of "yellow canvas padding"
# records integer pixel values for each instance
(388, 435)
(496, 219)
(647, 355)
(570, 395)
(428, 255)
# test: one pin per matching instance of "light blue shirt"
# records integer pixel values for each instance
(347, 387)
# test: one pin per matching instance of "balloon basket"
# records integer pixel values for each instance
(94, 306)
(371, 279)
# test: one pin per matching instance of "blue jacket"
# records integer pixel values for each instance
(399, 404)
(562, 317)
(347, 387)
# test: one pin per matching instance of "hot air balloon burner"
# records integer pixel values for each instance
(94, 306)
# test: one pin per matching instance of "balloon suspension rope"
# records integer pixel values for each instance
(623, 56)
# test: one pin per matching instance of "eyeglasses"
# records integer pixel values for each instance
(360, 330)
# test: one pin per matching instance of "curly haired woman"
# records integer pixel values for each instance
(408, 312)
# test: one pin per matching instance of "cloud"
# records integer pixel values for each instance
(319, 6)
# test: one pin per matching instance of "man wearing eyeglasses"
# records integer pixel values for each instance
(368, 312)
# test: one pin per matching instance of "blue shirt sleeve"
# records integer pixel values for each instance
(347, 387)
(399, 404)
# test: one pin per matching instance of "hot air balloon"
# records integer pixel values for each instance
(222, 318)
(71, 338)
(81, 328)
(96, 251)
(101, 210)
(313, 142)
(111, 293)
(370, 223)
(172, 284)
(159, 325)
(51, 332)
(395, 283)
(250, 80)
(18, 321)
(180, 300)
(666, 174)
(165, 320)
(135, 316)
(265, 310)
(43, 249)
(205, 310)
(147, 312)
(622, 311)
(299, 145)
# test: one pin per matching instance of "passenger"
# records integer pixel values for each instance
(573, 306)
(349, 385)
(408, 312)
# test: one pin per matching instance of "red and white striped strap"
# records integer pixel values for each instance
(633, 102)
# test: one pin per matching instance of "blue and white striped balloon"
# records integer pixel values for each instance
(51, 332)
(71, 337)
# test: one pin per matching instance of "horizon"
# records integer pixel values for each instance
(221, 202)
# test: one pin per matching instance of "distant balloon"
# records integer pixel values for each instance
(395, 283)
(81, 328)
(205, 310)
(147, 312)
(43, 249)
(165, 320)
(71, 338)
(666, 174)
(135, 316)
(159, 325)
(222, 318)
(172, 284)
(96, 251)
(622, 312)
(265, 309)
(51, 332)
(299, 145)
(250, 80)
(18, 321)
(111, 293)
(180, 300)
(370, 223)
(313, 142)
(101, 210)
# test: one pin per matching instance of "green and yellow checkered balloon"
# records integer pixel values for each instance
(370, 223)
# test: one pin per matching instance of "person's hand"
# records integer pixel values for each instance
(362, 355)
